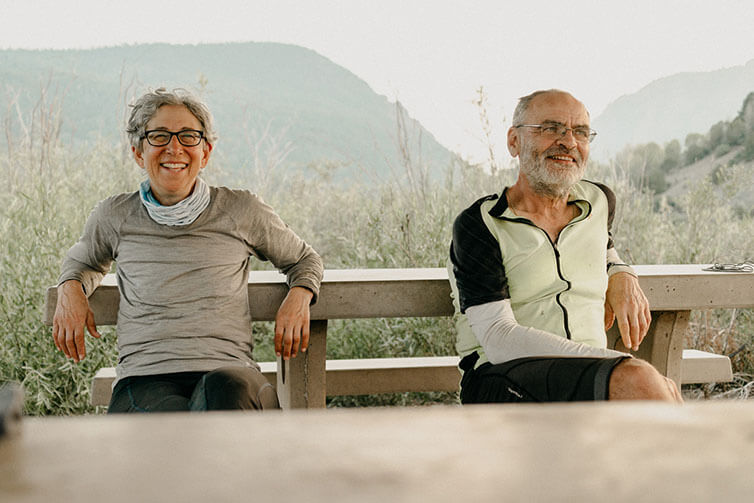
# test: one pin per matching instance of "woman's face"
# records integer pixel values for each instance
(172, 168)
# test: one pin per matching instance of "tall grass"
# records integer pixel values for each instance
(50, 189)
(42, 211)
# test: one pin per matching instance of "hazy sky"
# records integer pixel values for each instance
(432, 55)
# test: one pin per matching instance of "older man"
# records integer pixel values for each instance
(538, 281)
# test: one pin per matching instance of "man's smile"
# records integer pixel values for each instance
(562, 158)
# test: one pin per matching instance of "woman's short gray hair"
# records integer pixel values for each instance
(144, 108)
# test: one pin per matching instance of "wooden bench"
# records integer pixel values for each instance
(305, 381)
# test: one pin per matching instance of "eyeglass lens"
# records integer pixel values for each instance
(558, 131)
(187, 138)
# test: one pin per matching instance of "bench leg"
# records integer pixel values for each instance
(301, 380)
(667, 349)
(663, 346)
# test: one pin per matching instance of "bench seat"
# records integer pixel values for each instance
(434, 373)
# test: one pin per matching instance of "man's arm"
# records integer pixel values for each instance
(624, 299)
(625, 302)
(503, 339)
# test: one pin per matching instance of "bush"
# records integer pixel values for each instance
(721, 150)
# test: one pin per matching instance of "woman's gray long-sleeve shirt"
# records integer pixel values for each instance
(183, 290)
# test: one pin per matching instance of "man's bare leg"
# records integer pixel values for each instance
(635, 379)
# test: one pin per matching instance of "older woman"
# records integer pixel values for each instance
(183, 250)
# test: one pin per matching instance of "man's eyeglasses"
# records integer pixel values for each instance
(555, 131)
(186, 137)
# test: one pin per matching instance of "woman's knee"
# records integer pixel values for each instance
(230, 388)
(146, 394)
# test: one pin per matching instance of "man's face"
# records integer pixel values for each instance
(552, 165)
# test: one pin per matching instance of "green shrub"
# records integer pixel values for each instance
(721, 150)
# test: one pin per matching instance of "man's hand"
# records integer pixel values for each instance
(292, 323)
(72, 314)
(626, 303)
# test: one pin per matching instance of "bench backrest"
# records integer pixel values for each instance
(399, 293)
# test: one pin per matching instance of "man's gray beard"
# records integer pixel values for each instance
(553, 184)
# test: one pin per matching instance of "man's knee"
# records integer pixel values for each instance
(635, 379)
(230, 388)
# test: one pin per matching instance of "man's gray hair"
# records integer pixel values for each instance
(144, 108)
(524, 101)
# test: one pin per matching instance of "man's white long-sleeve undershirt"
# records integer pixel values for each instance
(503, 339)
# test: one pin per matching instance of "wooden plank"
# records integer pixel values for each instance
(102, 386)
(703, 367)
(386, 293)
(689, 287)
(392, 375)
(583, 452)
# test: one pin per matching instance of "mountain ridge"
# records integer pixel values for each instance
(672, 107)
(264, 96)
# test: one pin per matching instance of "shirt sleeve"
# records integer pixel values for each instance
(503, 339)
(614, 262)
(276, 242)
(477, 261)
(90, 258)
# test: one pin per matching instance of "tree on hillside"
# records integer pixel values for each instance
(673, 158)
(717, 139)
(644, 163)
(696, 148)
(736, 131)
(746, 120)
(747, 111)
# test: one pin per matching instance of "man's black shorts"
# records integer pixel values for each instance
(537, 379)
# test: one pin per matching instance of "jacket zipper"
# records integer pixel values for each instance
(557, 263)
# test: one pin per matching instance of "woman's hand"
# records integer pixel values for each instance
(72, 314)
(292, 323)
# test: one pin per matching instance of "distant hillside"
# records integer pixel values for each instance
(672, 107)
(269, 100)
(683, 180)
(724, 156)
